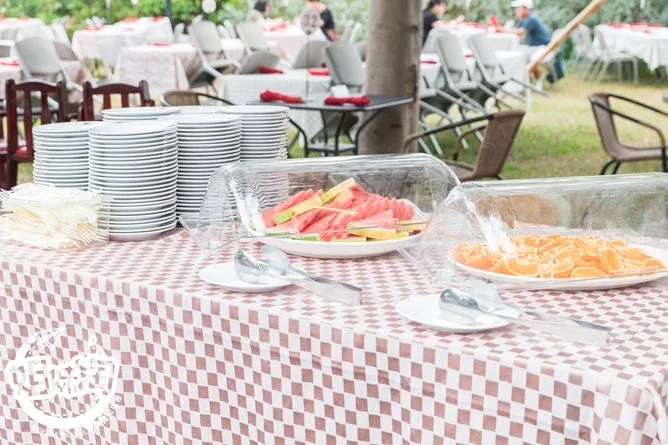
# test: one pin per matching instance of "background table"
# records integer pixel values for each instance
(204, 365)
(244, 88)
(6, 73)
(234, 49)
(26, 27)
(85, 41)
(163, 67)
(499, 41)
(650, 46)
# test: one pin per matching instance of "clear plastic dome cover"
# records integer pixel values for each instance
(361, 198)
(566, 233)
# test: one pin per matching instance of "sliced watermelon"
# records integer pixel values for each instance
(383, 219)
(305, 219)
(320, 225)
(268, 215)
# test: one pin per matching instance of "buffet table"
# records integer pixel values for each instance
(649, 44)
(291, 39)
(204, 365)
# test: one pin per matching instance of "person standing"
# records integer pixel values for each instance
(536, 33)
(327, 24)
(431, 17)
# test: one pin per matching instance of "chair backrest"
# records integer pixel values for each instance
(64, 51)
(109, 47)
(347, 29)
(252, 34)
(355, 32)
(230, 29)
(257, 59)
(190, 98)
(345, 65)
(600, 103)
(206, 36)
(485, 56)
(179, 29)
(433, 36)
(38, 56)
(44, 91)
(600, 39)
(498, 140)
(311, 55)
(451, 54)
(59, 32)
(222, 32)
(197, 18)
(113, 89)
(6, 48)
(9, 34)
(585, 34)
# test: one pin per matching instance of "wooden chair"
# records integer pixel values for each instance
(500, 132)
(22, 151)
(107, 91)
(619, 152)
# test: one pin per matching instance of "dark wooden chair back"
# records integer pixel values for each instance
(108, 91)
(29, 111)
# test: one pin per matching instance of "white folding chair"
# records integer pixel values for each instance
(311, 55)
(345, 65)
(59, 32)
(211, 53)
(252, 63)
(252, 34)
(38, 57)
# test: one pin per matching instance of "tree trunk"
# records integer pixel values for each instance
(393, 68)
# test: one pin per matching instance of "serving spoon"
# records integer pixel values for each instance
(276, 263)
(574, 330)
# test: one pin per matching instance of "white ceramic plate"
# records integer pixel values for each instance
(66, 129)
(198, 109)
(133, 148)
(139, 111)
(574, 283)
(140, 236)
(203, 120)
(424, 309)
(225, 276)
(340, 250)
(255, 109)
(134, 128)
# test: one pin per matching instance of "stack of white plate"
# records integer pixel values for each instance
(132, 114)
(206, 142)
(136, 163)
(264, 131)
(61, 154)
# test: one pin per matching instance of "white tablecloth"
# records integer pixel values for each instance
(85, 41)
(649, 45)
(163, 67)
(27, 27)
(247, 87)
(291, 39)
(500, 41)
(8, 72)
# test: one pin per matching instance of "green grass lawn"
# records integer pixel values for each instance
(558, 136)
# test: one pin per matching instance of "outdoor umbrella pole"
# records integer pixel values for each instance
(168, 9)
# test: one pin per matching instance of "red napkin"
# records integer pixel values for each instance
(468, 56)
(639, 24)
(25, 18)
(269, 70)
(492, 20)
(271, 96)
(317, 72)
(655, 25)
(162, 44)
(429, 62)
(359, 101)
(157, 18)
(130, 19)
(615, 25)
(93, 28)
(10, 63)
(278, 27)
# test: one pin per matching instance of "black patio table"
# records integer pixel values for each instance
(377, 104)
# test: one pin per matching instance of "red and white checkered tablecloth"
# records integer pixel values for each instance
(200, 365)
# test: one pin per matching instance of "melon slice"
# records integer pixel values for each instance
(334, 191)
(268, 215)
(298, 209)
(381, 220)
(320, 225)
(377, 233)
(411, 226)
(347, 238)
